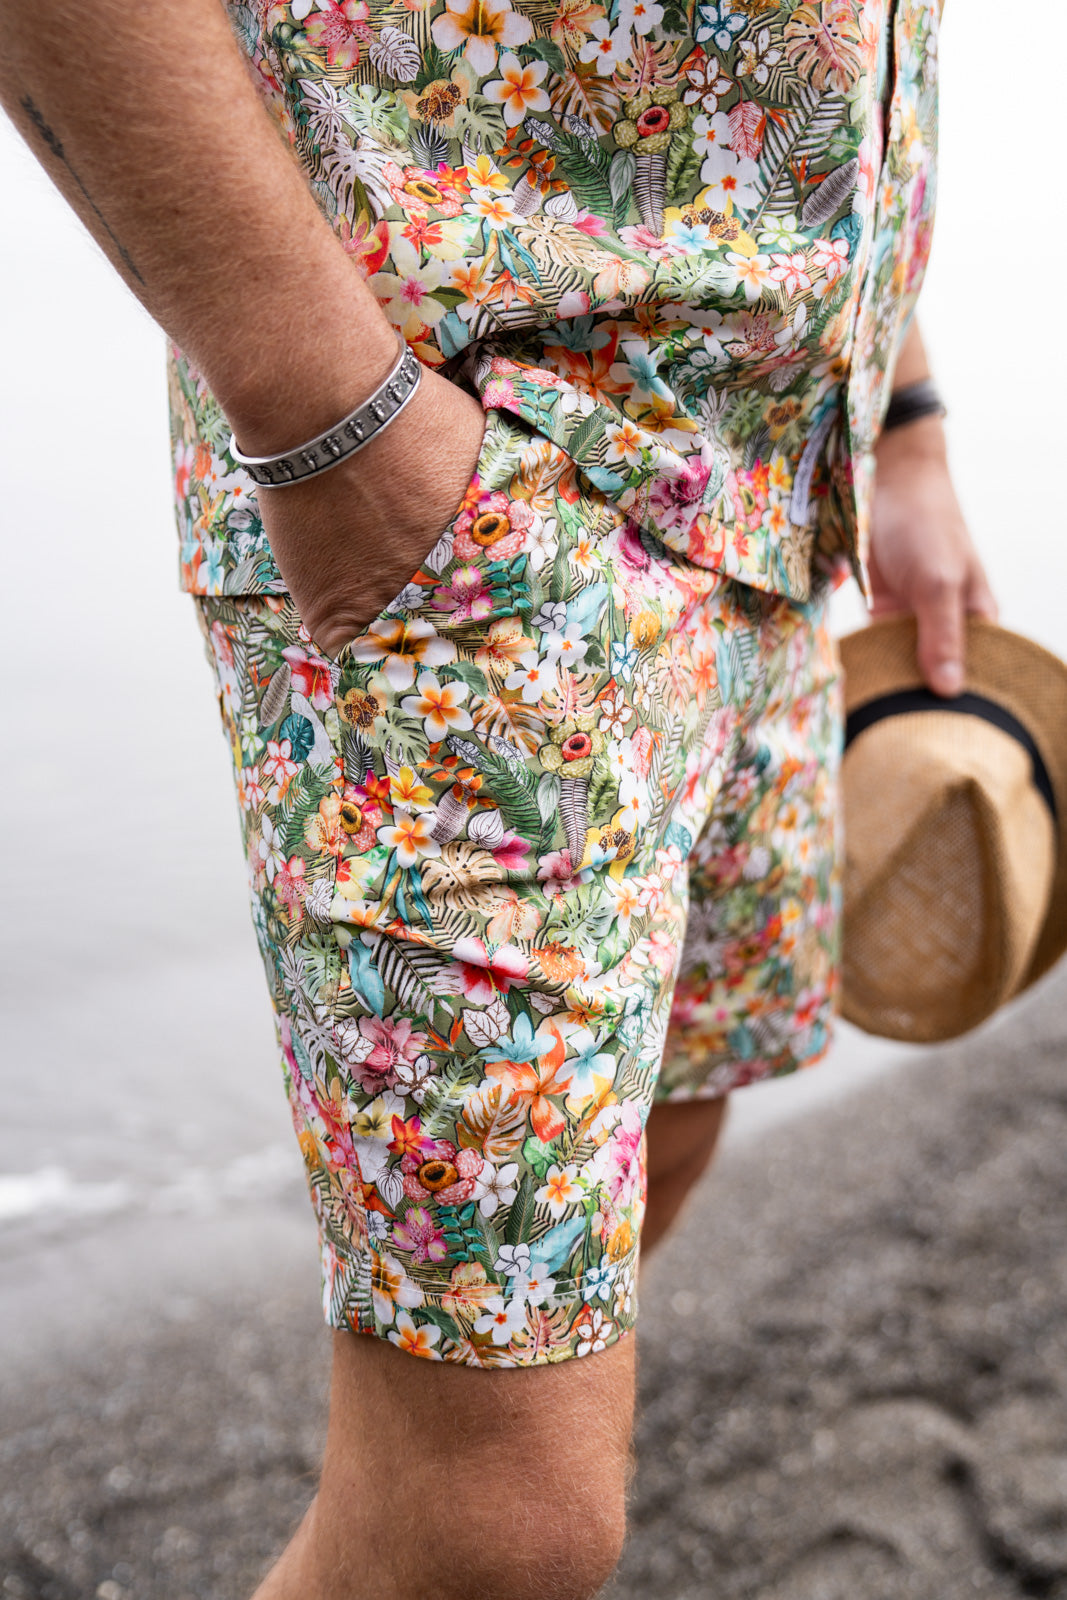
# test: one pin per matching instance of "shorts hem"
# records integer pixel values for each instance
(488, 1324)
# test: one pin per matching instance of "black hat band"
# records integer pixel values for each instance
(904, 701)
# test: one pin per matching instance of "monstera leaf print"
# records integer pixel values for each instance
(492, 1122)
(822, 43)
(459, 875)
(580, 91)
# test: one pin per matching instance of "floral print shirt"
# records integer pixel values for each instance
(682, 240)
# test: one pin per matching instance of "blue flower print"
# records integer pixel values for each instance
(524, 1044)
(719, 24)
(597, 1280)
(624, 658)
(587, 1065)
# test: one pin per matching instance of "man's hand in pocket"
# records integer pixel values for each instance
(346, 542)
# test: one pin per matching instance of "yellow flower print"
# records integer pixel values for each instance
(504, 644)
(626, 442)
(573, 21)
(402, 646)
(722, 226)
(391, 1287)
(352, 876)
(406, 790)
(482, 174)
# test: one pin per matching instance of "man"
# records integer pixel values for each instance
(534, 716)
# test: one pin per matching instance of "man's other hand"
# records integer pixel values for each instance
(922, 557)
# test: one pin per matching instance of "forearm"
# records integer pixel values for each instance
(148, 122)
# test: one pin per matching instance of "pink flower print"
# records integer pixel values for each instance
(718, 731)
(223, 648)
(290, 887)
(311, 677)
(791, 271)
(338, 29)
(481, 973)
(420, 1234)
(831, 257)
(632, 552)
(662, 949)
(443, 1173)
(511, 852)
(640, 238)
(393, 1042)
(641, 746)
(557, 872)
(498, 394)
(466, 596)
(677, 497)
(285, 1034)
(625, 1166)
(250, 791)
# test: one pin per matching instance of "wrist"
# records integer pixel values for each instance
(303, 376)
(912, 447)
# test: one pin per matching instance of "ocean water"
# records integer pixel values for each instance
(138, 1071)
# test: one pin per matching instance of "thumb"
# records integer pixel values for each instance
(941, 637)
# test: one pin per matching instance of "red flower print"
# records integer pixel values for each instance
(480, 973)
(311, 677)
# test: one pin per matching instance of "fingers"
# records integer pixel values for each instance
(941, 614)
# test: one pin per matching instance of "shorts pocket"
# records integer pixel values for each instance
(439, 726)
(477, 568)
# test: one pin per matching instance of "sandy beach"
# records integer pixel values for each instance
(852, 1358)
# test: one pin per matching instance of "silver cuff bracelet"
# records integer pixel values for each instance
(329, 449)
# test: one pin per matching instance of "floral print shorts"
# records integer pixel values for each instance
(553, 839)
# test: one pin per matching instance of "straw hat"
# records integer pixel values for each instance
(955, 830)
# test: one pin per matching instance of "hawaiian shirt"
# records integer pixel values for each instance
(681, 240)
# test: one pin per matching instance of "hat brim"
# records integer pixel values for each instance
(1025, 679)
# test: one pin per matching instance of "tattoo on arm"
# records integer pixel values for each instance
(36, 116)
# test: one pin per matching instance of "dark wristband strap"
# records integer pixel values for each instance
(913, 401)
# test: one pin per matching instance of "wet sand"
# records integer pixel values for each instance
(853, 1369)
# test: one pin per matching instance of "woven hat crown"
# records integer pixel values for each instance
(955, 843)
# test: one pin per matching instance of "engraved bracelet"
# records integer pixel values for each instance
(329, 449)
